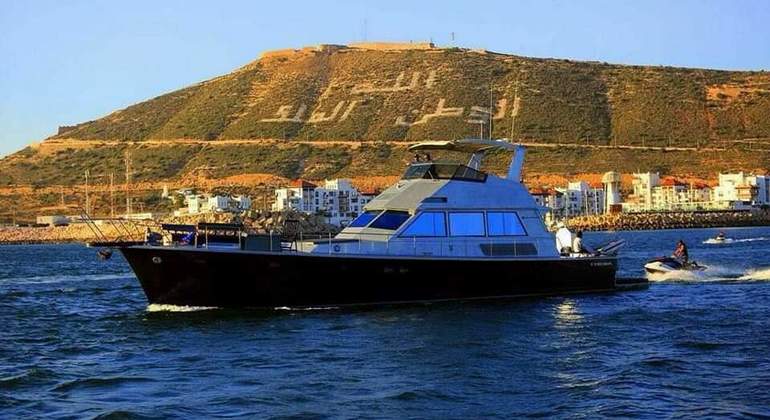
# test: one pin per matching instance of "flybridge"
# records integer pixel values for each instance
(477, 148)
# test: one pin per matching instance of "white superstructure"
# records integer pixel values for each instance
(451, 210)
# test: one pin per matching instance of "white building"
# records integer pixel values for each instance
(643, 184)
(551, 199)
(650, 193)
(337, 200)
(580, 198)
(204, 203)
(739, 190)
(611, 182)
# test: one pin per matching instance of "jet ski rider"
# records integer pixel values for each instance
(680, 253)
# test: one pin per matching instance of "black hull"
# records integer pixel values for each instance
(199, 277)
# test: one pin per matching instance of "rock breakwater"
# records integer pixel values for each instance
(669, 220)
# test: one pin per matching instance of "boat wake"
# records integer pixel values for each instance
(713, 273)
(712, 241)
(308, 308)
(158, 307)
(757, 274)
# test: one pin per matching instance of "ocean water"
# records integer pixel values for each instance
(77, 340)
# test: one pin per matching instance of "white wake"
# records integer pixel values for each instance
(713, 273)
(726, 241)
(159, 307)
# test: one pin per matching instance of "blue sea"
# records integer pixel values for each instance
(78, 340)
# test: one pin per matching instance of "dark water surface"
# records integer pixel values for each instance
(77, 340)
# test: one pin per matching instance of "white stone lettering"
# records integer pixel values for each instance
(431, 79)
(397, 86)
(348, 110)
(317, 116)
(480, 114)
(282, 115)
(441, 112)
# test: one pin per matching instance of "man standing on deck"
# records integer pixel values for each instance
(563, 239)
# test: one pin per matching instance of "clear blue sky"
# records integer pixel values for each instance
(68, 61)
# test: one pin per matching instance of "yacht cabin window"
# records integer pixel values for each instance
(504, 223)
(429, 223)
(390, 220)
(466, 223)
(364, 219)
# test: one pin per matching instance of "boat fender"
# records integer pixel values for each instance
(337, 248)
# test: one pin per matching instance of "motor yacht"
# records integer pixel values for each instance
(444, 231)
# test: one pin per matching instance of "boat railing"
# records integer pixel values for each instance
(382, 244)
(122, 230)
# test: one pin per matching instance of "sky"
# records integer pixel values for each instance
(67, 61)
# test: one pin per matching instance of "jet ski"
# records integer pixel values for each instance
(662, 265)
(721, 238)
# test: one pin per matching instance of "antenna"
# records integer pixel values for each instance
(491, 110)
(128, 182)
(88, 202)
(112, 195)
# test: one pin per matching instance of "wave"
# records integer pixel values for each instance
(31, 375)
(713, 273)
(123, 414)
(160, 307)
(712, 241)
(59, 278)
(97, 382)
(308, 308)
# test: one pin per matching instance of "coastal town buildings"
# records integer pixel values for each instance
(552, 199)
(577, 199)
(735, 191)
(652, 193)
(739, 190)
(337, 200)
(581, 198)
(207, 203)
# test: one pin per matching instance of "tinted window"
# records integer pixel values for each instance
(466, 224)
(416, 171)
(390, 220)
(504, 224)
(364, 218)
(429, 223)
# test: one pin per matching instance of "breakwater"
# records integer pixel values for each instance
(287, 223)
(669, 220)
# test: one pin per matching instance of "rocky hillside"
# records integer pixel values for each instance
(346, 110)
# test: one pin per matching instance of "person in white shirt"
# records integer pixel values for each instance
(563, 239)
(578, 247)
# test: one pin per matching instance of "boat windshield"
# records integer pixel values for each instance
(453, 171)
(390, 220)
(364, 219)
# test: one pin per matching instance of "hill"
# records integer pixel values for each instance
(335, 110)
